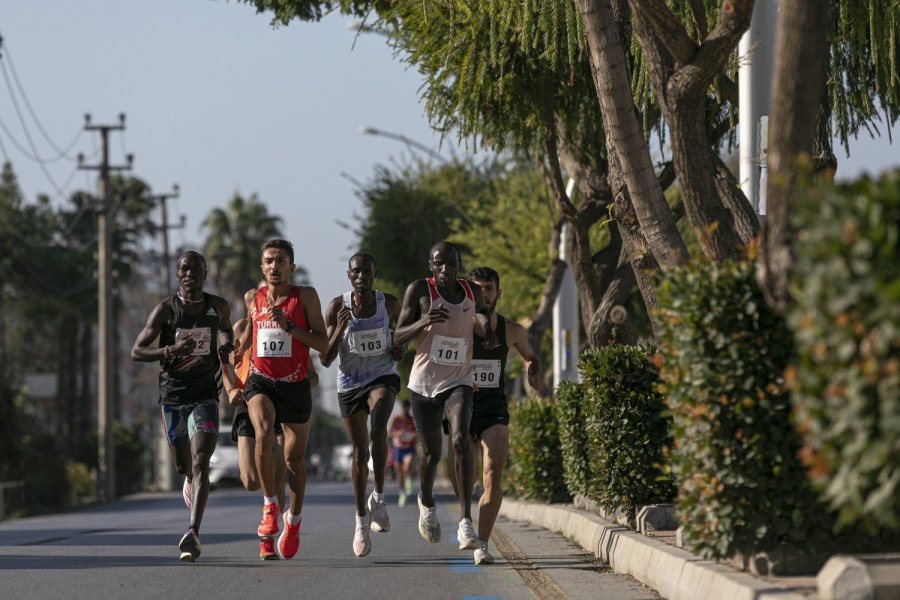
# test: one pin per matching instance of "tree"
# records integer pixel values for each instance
(232, 247)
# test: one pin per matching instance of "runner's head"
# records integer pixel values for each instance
(489, 281)
(405, 407)
(361, 271)
(444, 261)
(277, 261)
(191, 272)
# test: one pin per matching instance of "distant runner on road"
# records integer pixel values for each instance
(440, 313)
(195, 338)
(403, 440)
(359, 331)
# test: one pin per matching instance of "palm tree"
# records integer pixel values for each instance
(234, 235)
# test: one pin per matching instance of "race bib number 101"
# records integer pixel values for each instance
(448, 350)
(273, 342)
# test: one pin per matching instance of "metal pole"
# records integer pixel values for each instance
(756, 53)
(566, 336)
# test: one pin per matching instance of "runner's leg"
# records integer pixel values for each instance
(296, 436)
(203, 443)
(458, 409)
(262, 416)
(428, 416)
(355, 425)
(381, 403)
(494, 445)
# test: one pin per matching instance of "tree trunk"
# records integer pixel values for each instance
(681, 73)
(544, 315)
(801, 50)
(624, 136)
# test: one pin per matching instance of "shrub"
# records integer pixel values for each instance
(741, 488)
(569, 412)
(847, 325)
(535, 471)
(626, 431)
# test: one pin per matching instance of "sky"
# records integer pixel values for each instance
(219, 101)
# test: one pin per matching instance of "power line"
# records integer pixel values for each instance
(61, 154)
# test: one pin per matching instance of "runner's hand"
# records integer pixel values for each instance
(535, 380)
(183, 347)
(490, 341)
(437, 314)
(236, 397)
(343, 318)
(397, 352)
(276, 314)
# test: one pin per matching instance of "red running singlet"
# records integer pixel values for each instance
(277, 354)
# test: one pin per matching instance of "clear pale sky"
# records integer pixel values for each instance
(218, 101)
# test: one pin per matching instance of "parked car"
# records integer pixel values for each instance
(223, 464)
(341, 462)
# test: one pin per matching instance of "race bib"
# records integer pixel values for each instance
(487, 373)
(448, 350)
(273, 342)
(368, 342)
(202, 339)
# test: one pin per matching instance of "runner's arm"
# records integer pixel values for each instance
(225, 339)
(336, 321)
(315, 336)
(141, 351)
(517, 337)
(392, 304)
(415, 314)
(483, 318)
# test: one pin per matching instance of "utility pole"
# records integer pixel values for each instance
(164, 469)
(166, 270)
(106, 394)
(566, 340)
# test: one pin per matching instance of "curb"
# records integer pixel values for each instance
(674, 573)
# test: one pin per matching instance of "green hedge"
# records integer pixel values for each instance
(741, 487)
(626, 431)
(847, 327)
(569, 409)
(535, 470)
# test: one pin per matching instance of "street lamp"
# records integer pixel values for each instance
(366, 130)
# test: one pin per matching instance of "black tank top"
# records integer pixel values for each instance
(490, 366)
(184, 379)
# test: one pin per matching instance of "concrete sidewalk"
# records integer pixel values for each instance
(675, 573)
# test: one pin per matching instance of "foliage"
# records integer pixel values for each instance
(10, 448)
(846, 322)
(627, 434)
(80, 481)
(507, 226)
(535, 471)
(570, 414)
(741, 487)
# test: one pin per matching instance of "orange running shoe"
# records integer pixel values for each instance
(289, 540)
(268, 526)
(267, 549)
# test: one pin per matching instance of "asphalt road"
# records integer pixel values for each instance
(129, 550)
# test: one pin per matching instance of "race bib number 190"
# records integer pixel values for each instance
(273, 342)
(486, 373)
(448, 350)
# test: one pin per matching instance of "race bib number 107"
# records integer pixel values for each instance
(273, 342)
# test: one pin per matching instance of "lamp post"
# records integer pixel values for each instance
(566, 340)
(412, 144)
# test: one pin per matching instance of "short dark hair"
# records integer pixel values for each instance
(443, 245)
(194, 253)
(364, 256)
(485, 274)
(281, 245)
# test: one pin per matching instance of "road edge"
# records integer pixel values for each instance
(674, 573)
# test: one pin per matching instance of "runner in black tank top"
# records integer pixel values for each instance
(195, 337)
(490, 415)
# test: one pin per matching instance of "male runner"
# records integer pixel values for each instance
(403, 440)
(359, 331)
(243, 435)
(440, 314)
(286, 321)
(194, 331)
(490, 408)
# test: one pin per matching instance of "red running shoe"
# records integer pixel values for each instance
(267, 549)
(289, 540)
(268, 526)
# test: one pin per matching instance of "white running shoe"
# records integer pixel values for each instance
(468, 539)
(187, 492)
(362, 545)
(482, 556)
(380, 520)
(429, 527)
